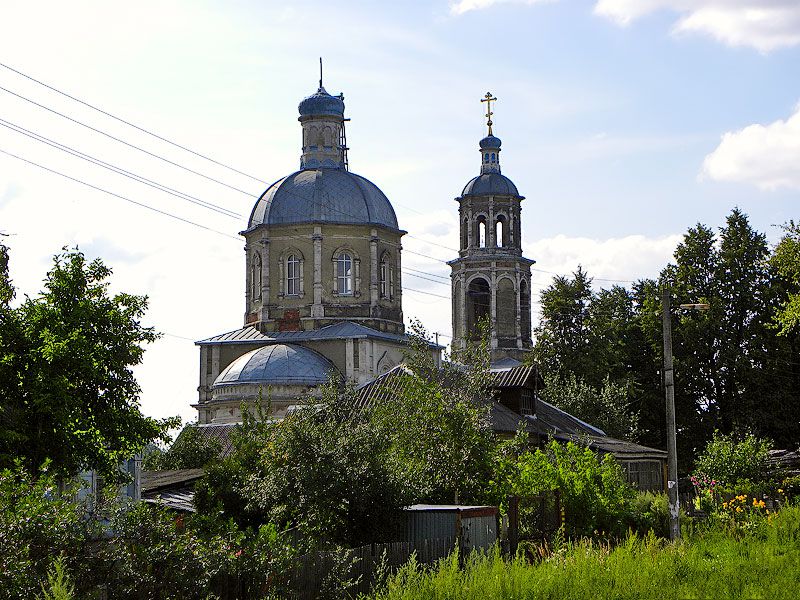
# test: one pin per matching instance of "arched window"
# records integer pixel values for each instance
(255, 276)
(525, 310)
(465, 235)
(486, 157)
(478, 304)
(384, 276)
(481, 232)
(494, 157)
(344, 274)
(501, 232)
(292, 275)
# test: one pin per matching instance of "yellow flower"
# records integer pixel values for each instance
(738, 509)
(780, 491)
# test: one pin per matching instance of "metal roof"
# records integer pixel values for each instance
(276, 364)
(490, 184)
(220, 433)
(323, 195)
(341, 330)
(522, 376)
(154, 480)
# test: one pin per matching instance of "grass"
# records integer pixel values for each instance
(713, 563)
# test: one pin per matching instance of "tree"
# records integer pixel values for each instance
(786, 260)
(606, 408)
(189, 451)
(69, 393)
(322, 470)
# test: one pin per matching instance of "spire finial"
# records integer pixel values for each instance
(488, 98)
(320, 72)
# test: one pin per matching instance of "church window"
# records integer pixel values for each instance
(494, 157)
(292, 275)
(465, 235)
(501, 232)
(356, 362)
(478, 304)
(255, 276)
(486, 157)
(482, 232)
(384, 276)
(344, 274)
(525, 309)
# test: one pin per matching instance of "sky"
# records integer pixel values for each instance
(624, 122)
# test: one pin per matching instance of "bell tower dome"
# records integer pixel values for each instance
(490, 278)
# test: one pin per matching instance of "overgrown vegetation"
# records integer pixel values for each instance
(711, 563)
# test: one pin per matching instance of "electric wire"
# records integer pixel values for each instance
(121, 141)
(121, 197)
(137, 127)
(118, 170)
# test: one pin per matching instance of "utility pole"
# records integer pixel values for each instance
(672, 452)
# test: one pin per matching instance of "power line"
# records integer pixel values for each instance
(135, 147)
(118, 170)
(110, 193)
(137, 127)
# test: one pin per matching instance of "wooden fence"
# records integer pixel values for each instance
(533, 518)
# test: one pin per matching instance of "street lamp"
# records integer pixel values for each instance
(669, 386)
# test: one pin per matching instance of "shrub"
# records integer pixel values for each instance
(735, 460)
(595, 495)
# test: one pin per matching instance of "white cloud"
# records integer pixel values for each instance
(761, 24)
(608, 261)
(459, 7)
(767, 156)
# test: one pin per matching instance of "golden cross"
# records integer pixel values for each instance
(489, 99)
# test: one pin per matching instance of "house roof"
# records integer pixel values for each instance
(344, 329)
(173, 489)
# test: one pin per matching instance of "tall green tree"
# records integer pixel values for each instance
(69, 394)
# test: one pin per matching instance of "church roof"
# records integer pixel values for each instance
(342, 330)
(323, 195)
(278, 364)
(321, 104)
(490, 184)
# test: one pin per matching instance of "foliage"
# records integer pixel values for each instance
(189, 451)
(594, 492)
(59, 585)
(650, 512)
(69, 393)
(437, 422)
(35, 526)
(322, 470)
(732, 369)
(786, 260)
(50, 543)
(606, 407)
(759, 563)
(734, 460)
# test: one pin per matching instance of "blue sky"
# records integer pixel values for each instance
(623, 123)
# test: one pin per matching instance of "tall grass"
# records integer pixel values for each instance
(714, 564)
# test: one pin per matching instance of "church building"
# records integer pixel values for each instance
(323, 292)
(323, 297)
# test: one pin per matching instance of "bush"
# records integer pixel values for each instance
(595, 494)
(188, 451)
(35, 526)
(733, 460)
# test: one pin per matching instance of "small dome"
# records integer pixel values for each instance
(322, 104)
(490, 141)
(278, 364)
(490, 184)
(325, 195)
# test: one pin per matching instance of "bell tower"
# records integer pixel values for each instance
(490, 278)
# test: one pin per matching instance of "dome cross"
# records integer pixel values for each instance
(489, 99)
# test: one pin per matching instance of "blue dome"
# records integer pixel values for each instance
(490, 141)
(323, 196)
(278, 364)
(321, 104)
(490, 184)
